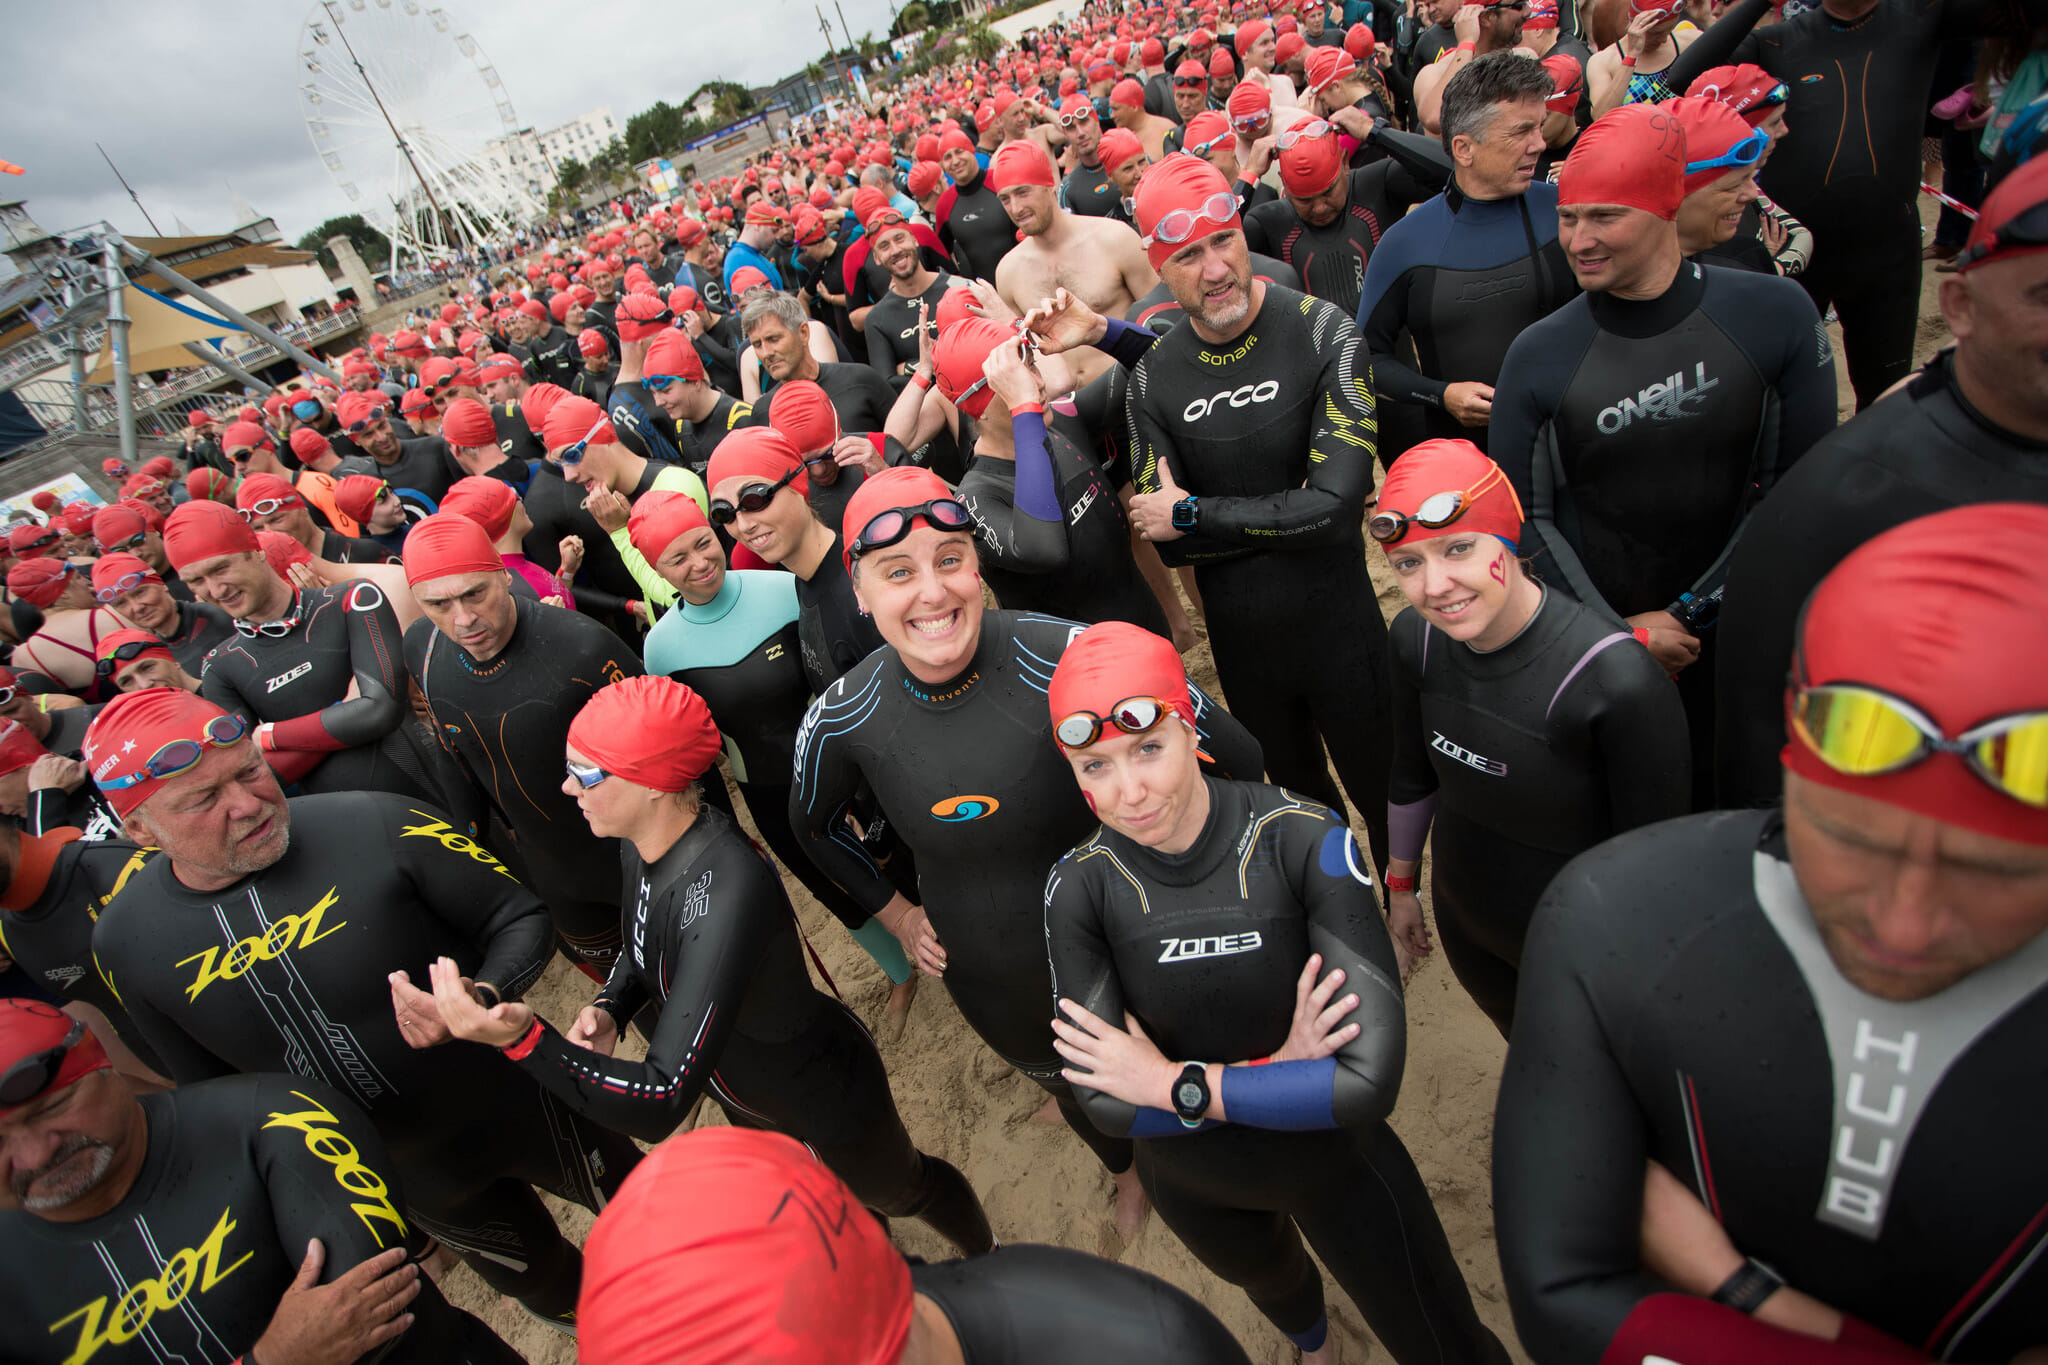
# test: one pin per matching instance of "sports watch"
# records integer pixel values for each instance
(1745, 1290)
(1191, 1094)
(1184, 514)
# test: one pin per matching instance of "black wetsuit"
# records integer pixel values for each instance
(977, 233)
(603, 585)
(1639, 433)
(834, 632)
(1087, 191)
(1679, 1006)
(1332, 259)
(1458, 279)
(201, 626)
(1027, 1304)
(719, 346)
(516, 439)
(1851, 172)
(506, 722)
(1920, 451)
(697, 440)
(642, 426)
(1204, 948)
(1525, 756)
(47, 915)
(285, 971)
(552, 358)
(240, 1174)
(1159, 310)
(298, 683)
(712, 944)
(861, 397)
(340, 549)
(970, 779)
(1273, 432)
(1052, 532)
(597, 387)
(867, 283)
(891, 330)
(423, 473)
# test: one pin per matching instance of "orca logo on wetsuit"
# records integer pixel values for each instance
(1667, 400)
(956, 810)
(1214, 945)
(1450, 748)
(1242, 396)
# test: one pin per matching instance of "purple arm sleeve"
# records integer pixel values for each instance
(1408, 827)
(1037, 495)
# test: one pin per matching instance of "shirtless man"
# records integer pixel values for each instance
(61, 656)
(1488, 29)
(1097, 260)
(308, 572)
(1127, 110)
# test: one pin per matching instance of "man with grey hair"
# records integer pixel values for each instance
(779, 330)
(1468, 270)
(878, 177)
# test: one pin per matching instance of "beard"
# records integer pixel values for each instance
(74, 1184)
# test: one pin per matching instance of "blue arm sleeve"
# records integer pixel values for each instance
(1126, 344)
(1286, 1096)
(1158, 1123)
(1038, 495)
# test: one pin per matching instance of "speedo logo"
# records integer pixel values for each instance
(279, 681)
(1241, 397)
(1212, 945)
(1667, 400)
(1450, 748)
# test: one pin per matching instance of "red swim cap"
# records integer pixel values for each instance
(758, 452)
(1567, 82)
(1312, 164)
(672, 354)
(651, 730)
(108, 570)
(309, 445)
(1114, 661)
(728, 1244)
(265, 488)
(448, 543)
(282, 552)
(905, 485)
(205, 530)
(467, 425)
(1128, 93)
(963, 349)
(804, 413)
(1633, 157)
(1116, 146)
(1712, 129)
(1022, 162)
(39, 582)
(1451, 466)
(30, 1026)
(153, 647)
(19, 748)
(575, 418)
(1326, 66)
(658, 518)
(207, 484)
(116, 525)
(1749, 90)
(130, 729)
(356, 494)
(1180, 183)
(484, 500)
(2026, 188)
(1961, 641)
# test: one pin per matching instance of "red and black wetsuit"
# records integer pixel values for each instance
(241, 1173)
(1331, 259)
(973, 226)
(505, 722)
(1678, 1005)
(298, 682)
(285, 971)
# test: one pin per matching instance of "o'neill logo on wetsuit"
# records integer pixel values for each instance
(1242, 396)
(1667, 400)
(1450, 748)
(1215, 945)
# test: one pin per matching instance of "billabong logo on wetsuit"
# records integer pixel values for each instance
(956, 810)
(1450, 748)
(1242, 396)
(326, 1141)
(1213, 945)
(292, 931)
(1667, 400)
(185, 1271)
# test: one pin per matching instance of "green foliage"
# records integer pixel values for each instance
(983, 42)
(657, 130)
(912, 17)
(373, 246)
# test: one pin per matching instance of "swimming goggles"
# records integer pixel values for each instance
(753, 498)
(889, 527)
(1863, 732)
(181, 754)
(1437, 510)
(1132, 715)
(1219, 209)
(1745, 153)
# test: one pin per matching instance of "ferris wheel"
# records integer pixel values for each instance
(409, 115)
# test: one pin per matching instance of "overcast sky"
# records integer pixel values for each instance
(192, 100)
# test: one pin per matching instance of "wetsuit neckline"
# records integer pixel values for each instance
(1529, 644)
(1227, 802)
(719, 607)
(1945, 363)
(496, 665)
(957, 688)
(1641, 319)
(678, 856)
(159, 1131)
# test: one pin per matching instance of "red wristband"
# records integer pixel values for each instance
(921, 379)
(1628, 61)
(1023, 408)
(528, 1041)
(1642, 636)
(1399, 883)
(1467, 48)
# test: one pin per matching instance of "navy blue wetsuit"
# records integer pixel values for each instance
(1462, 278)
(969, 777)
(1204, 947)
(1679, 1005)
(1523, 757)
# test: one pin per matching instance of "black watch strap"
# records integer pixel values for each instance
(1746, 1290)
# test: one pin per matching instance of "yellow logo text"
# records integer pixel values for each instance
(333, 1147)
(194, 1268)
(293, 931)
(455, 842)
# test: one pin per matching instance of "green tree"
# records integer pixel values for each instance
(731, 101)
(910, 19)
(983, 42)
(656, 131)
(373, 246)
